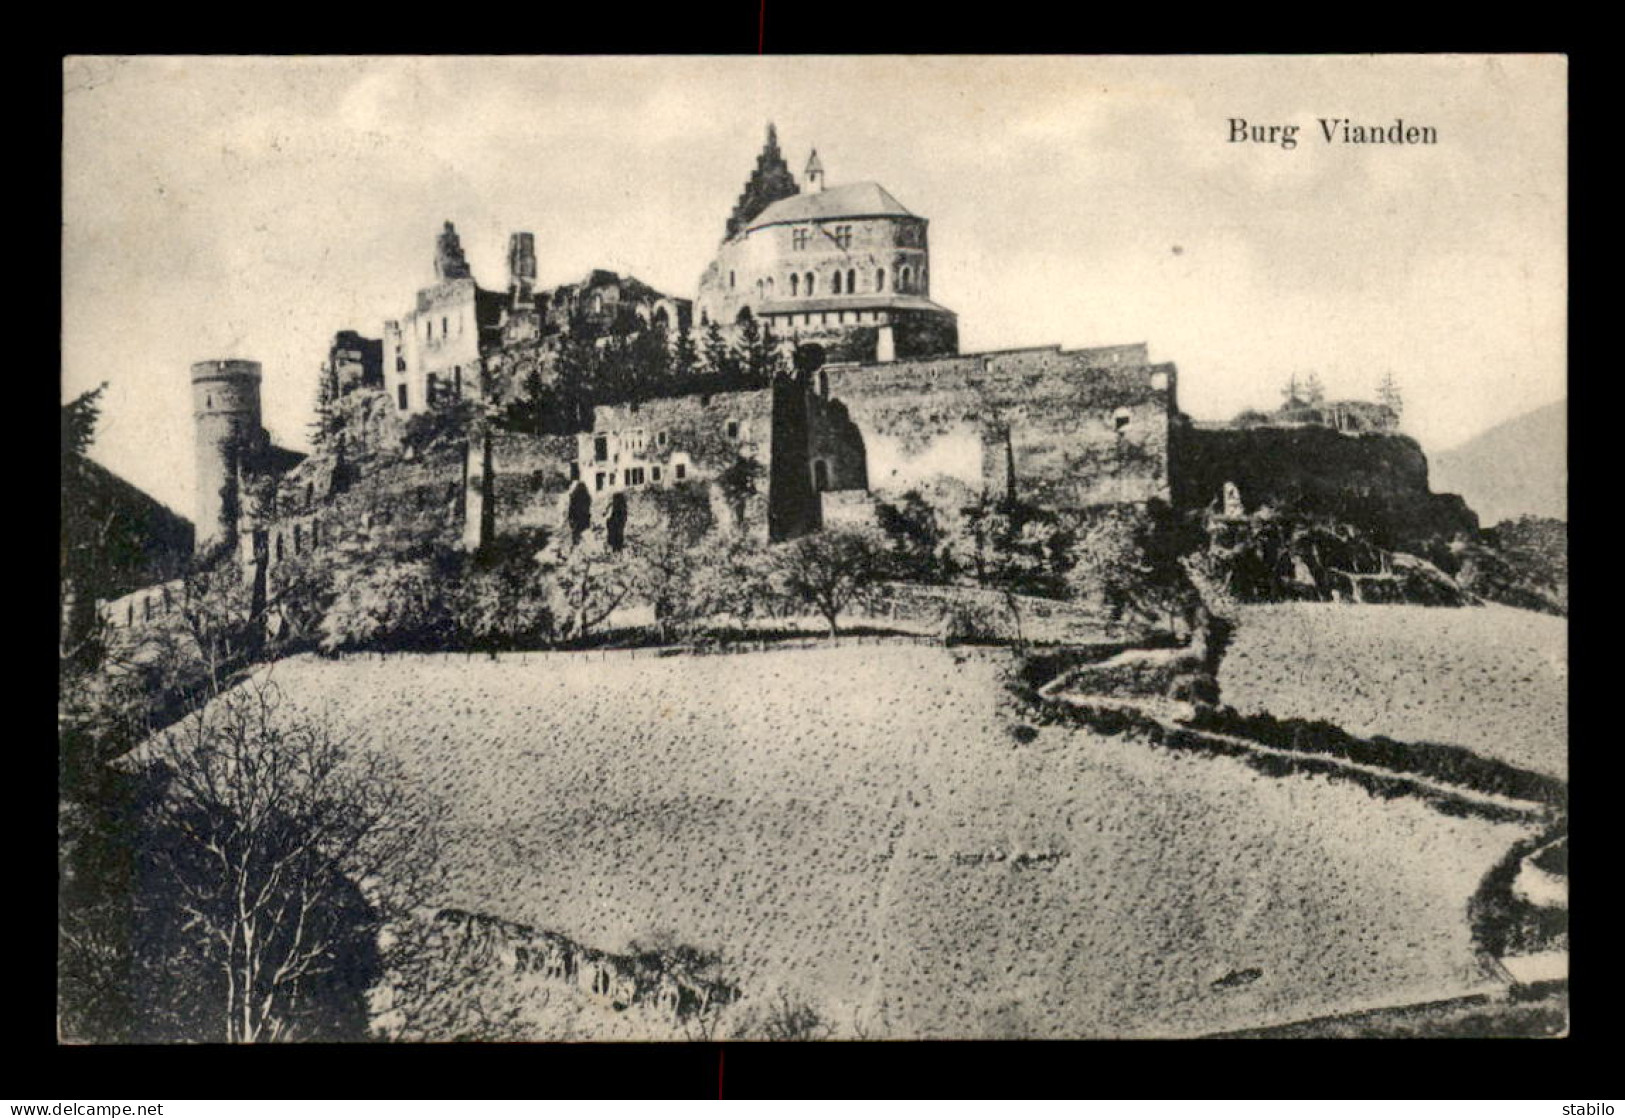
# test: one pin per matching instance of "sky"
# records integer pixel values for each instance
(253, 207)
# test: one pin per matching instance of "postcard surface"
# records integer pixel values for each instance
(803, 548)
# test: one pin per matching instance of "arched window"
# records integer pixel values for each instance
(812, 284)
(924, 286)
(730, 281)
(880, 280)
(770, 287)
(851, 281)
(795, 284)
(279, 551)
(820, 475)
(835, 284)
(705, 318)
(902, 280)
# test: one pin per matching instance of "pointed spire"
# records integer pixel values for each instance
(815, 173)
(771, 181)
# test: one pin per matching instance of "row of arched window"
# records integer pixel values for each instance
(840, 283)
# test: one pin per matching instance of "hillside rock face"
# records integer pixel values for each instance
(1517, 468)
(1376, 482)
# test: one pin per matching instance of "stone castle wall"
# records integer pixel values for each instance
(1081, 428)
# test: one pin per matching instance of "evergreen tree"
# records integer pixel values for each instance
(648, 362)
(1313, 393)
(720, 358)
(79, 418)
(1292, 390)
(327, 422)
(763, 360)
(529, 412)
(685, 355)
(750, 343)
(1388, 394)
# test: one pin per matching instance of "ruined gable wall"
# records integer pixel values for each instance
(533, 474)
(1084, 427)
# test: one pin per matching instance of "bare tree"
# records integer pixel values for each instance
(831, 570)
(438, 994)
(588, 584)
(215, 611)
(283, 852)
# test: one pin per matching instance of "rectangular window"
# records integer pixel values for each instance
(733, 428)
(600, 449)
(680, 471)
(634, 476)
(660, 438)
(798, 239)
(654, 473)
(599, 482)
(401, 394)
(575, 471)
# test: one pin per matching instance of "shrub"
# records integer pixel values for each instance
(396, 605)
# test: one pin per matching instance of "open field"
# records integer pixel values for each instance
(859, 826)
(1490, 678)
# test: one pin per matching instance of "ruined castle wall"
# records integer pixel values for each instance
(532, 476)
(680, 441)
(1376, 481)
(836, 442)
(1082, 428)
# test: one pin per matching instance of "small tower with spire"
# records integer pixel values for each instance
(815, 173)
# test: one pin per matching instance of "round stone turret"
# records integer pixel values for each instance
(226, 415)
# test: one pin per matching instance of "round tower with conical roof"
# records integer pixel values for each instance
(226, 414)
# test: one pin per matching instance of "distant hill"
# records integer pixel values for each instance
(1518, 467)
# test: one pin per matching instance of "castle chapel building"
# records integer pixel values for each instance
(845, 267)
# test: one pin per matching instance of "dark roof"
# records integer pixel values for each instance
(869, 302)
(116, 536)
(854, 199)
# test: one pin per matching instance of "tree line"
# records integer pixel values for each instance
(564, 377)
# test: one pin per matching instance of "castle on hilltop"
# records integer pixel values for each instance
(825, 380)
(868, 397)
(846, 268)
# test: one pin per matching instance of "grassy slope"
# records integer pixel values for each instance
(831, 819)
(1492, 679)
